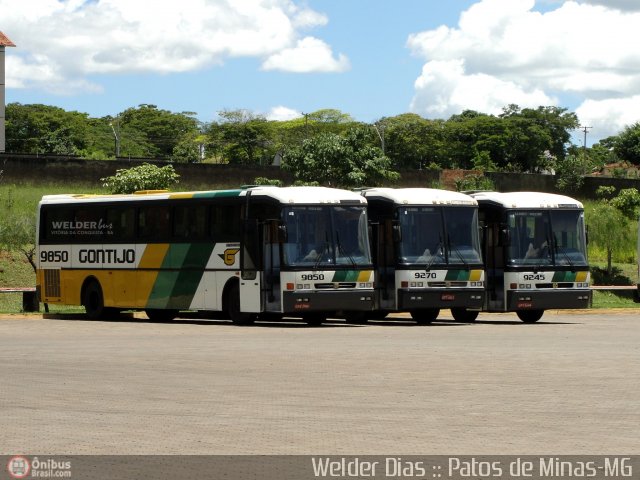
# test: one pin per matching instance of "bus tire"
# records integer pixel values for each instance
(161, 315)
(359, 318)
(315, 319)
(425, 315)
(378, 315)
(463, 315)
(530, 316)
(232, 302)
(93, 300)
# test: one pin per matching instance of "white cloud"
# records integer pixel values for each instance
(74, 39)
(444, 89)
(281, 113)
(308, 55)
(506, 51)
(609, 117)
(619, 4)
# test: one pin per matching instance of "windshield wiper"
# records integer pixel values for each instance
(325, 249)
(557, 249)
(434, 256)
(455, 249)
(341, 249)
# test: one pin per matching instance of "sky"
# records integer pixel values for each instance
(368, 58)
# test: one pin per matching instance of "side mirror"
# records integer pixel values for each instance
(505, 237)
(282, 233)
(397, 232)
(586, 234)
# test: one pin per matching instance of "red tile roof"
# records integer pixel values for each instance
(5, 42)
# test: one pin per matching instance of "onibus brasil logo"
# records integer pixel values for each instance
(18, 467)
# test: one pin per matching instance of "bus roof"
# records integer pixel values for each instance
(526, 200)
(419, 196)
(288, 195)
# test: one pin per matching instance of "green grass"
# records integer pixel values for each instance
(609, 299)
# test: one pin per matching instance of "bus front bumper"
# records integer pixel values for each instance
(440, 298)
(548, 299)
(329, 301)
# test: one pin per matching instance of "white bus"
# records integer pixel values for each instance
(535, 253)
(294, 251)
(426, 249)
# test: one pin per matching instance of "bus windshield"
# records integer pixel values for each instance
(436, 235)
(326, 236)
(547, 237)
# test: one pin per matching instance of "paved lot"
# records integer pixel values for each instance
(568, 385)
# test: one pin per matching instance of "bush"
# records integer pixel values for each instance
(144, 177)
(474, 182)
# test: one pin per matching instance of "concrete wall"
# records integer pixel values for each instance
(32, 168)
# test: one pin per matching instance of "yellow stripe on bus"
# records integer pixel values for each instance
(364, 276)
(475, 275)
(153, 255)
(581, 277)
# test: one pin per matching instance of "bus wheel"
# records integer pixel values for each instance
(463, 315)
(233, 307)
(378, 315)
(359, 318)
(425, 315)
(93, 300)
(315, 319)
(160, 315)
(530, 316)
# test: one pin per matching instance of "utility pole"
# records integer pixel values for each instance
(379, 127)
(585, 130)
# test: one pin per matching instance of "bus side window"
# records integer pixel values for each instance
(189, 222)
(153, 223)
(55, 221)
(225, 223)
(120, 224)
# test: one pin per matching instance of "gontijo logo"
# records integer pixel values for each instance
(229, 256)
(18, 467)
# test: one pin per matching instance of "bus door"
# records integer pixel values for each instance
(250, 267)
(274, 233)
(387, 234)
(496, 240)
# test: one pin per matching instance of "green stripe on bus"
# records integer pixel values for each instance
(345, 276)
(188, 279)
(175, 288)
(221, 193)
(457, 275)
(564, 277)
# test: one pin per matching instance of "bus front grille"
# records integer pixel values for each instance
(52, 283)
(555, 285)
(334, 285)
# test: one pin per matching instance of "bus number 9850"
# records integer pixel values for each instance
(54, 256)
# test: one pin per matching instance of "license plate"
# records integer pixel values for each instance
(447, 297)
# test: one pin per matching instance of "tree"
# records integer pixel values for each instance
(335, 160)
(143, 177)
(45, 129)
(607, 229)
(17, 227)
(534, 131)
(243, 137)
(571, 171)
(412, 141)
(627, 144)
(161, 130)
(628, 202)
